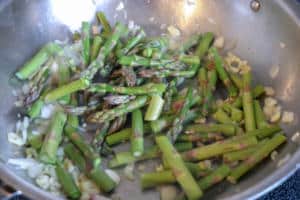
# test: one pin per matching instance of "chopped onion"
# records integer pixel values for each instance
(269, 101)
(274, 155)
(120, 6)
(174, 32)
(15, 139)
(274, 71)
(287, 117)
(282, 45)
(296, 138)
(219, 42)
(269, 91)
(128, 172)
(47, 111)
(43, 181)
(284, 160)
(35, 170)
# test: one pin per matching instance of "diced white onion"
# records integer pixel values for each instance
(287, 117)
(274, 71)
(120, 6)
(219, 42)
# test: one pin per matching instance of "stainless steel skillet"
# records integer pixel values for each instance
(266, 38)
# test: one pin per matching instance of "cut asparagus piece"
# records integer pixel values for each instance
(67, 182)
(256, 157)
(155, 108)
(150, 88)
(179, 170)
(86, 28)
(219, 148)
(215, 177)
(53, 138)
(248, 103)
(102, 116)
(242, 154)
(33, 65)
(222, 74)
(137, 135)
(226, 129)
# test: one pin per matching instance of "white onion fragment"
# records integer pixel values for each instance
(219, 42)
(274, 71)
(287, 117)
(284, 160)
(296, 138)
(174, 32)
(269, 91)
(120, 6)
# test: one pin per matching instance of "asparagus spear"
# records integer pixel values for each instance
(104, 22)
(135, 60)
(67, 89)
(109, 115)
(86, 28)
(177, 127)
(261, 121)
(137, 139)
(67, 182)
(83, 146)
(256, 157)
(221, 116)
(189, 59)
(215, 177)
(97, 41)
(211, 86)
(242, 154)
(99, 137)
(72, 121)
(148, 88)
(153, 179)
(204, 44)
(35, 141)
(124, 158)
(131, 43)
(53, 138)
(202, 79)
(163, 73)
(200, 137)
(179, 170)
(226, 129)
(35, 109)
(219, 148)
(236, 114)
(199, 169)
(124, 135)
(92, 69)
(265, 132)
(63, 78)
(257, 91)
(155, 107)
(149, 180)
(91, 168)
(222, 73)
(32, 66)
(170, 92)
(248, 103)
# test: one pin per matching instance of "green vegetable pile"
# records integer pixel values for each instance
(123, 86)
